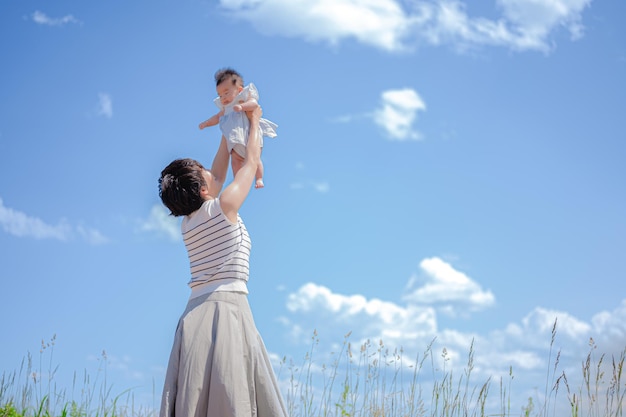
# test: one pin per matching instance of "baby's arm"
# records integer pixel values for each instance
(248, 105)
(211, 121)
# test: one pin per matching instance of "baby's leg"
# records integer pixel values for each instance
(259, 175)
(236, 162)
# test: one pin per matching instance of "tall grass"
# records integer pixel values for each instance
(32, 391)
(374, 381)
(367, 380)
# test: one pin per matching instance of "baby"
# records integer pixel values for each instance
(233, 101)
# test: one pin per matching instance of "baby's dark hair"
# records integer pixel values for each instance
(179, 186)
(228, 74)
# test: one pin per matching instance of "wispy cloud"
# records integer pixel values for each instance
(320, 187)
(120, 364)
(398, 112)
(393, 25)
(21, 225)
(307, 184)
(105, 105)
(160, 221)
(42, 19)
(93, 236)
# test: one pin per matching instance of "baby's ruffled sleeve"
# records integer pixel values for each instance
(253, 92)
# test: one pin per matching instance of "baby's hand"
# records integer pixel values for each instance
(202, 125)
(237, 107)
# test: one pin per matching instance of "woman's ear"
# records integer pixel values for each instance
(204, 192)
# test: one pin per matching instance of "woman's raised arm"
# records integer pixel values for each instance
(235, 194)
(219, 169)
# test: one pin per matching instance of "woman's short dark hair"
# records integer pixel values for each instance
(179, 186)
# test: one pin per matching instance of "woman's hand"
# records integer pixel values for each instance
(256, 113)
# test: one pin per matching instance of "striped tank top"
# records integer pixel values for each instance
(219, 250)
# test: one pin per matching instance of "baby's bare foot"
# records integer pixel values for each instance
(259, 183)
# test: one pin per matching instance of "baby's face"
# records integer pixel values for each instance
(227, 92)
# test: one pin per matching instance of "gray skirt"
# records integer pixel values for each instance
(219, 366)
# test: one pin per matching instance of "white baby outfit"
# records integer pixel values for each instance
(235, 126)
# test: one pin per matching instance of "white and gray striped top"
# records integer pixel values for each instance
(219, 250)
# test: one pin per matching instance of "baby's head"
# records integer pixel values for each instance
(229, 83)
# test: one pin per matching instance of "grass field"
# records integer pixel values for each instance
(369, 380)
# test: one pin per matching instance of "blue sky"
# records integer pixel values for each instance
(443, 169)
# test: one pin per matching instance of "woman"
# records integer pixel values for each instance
(219, 365)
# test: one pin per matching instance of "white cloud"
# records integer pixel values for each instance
(398, 113)
(373, 317)
(519, 359)
(105, 105)
(19, 224)
(380, 23)
(451, 290)
(610, 326)
(534, 19)
(393, 25)
(160, 221)
(42, 19)
(445, 290)
(536, 328)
